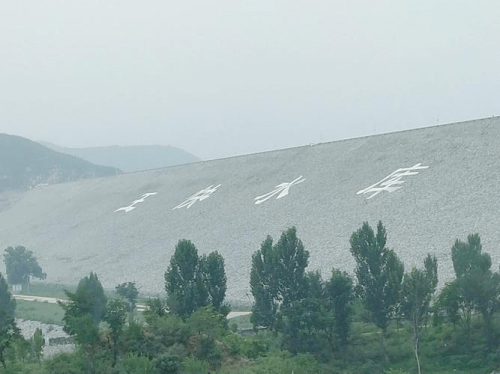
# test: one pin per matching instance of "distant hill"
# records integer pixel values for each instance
(26, 164)
(130, 158)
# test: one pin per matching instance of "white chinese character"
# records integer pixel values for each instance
(127, 209)
(198, 196)
(281, 189)
(393, 181)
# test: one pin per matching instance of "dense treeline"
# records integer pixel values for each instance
(381, 319)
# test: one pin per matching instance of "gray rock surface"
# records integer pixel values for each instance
(50, 332)
(74, 228)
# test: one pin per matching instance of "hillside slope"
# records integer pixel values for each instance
(25, 164)
(130, 158)
(428, 186)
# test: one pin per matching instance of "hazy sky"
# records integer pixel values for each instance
(226, 77)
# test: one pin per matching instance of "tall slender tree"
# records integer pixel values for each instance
(215, 280)
(83, 312)
(264, 284)
(279, 285)
(418, 287)
(339, 296)
(379, 272)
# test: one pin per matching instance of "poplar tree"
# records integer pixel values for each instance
(215, 280)
(379, 273)
(192, 281)
(279, 285)
(183, 280)
(418, 287)
(339, 295)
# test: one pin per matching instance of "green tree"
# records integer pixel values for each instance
(83, 312)
(8, 328)
(192, 281)
(418, 287)
(279, 285)
(291, 265)
(129, 292)
(339, 296)
(21, 265)
(379, 272)
(37, 343)
(306, 320)
(115, 317)
(264, 285)
(277, 277)
(184, 281)
(477, 287)
(215, 280)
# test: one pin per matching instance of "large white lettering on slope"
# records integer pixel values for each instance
(281, 189)
(392, 182)
(130, 207)
(198, 196)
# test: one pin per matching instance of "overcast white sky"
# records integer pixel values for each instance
(227, 77)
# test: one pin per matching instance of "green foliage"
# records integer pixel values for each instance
(379, 272)
(20, 265)
(8, 328)
(264, 284)
(84, 311)
(292, 262)
(468, 257)
(155, 307)
(135, 363)
(37, 344)
(115, 317)
(89, 300)
(475, 288)
(339, 296)
(192, 282)
(129, 292)
(279, 285)
(208, 321)
(193, 365)
(68, 363)
(284, 362)
(277, 279)
(214, 278)
(418, 287)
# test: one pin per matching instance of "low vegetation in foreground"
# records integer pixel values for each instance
(385, 319)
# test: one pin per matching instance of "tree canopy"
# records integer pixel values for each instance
(277, 277)
(129, 292)
(8, 327)
(192, 281)
(379, 272)
(21, 265)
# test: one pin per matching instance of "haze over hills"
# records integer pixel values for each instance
(26, 164)
(130, 158)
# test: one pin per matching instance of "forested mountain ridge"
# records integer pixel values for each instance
(25, 164)
(130, 158)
